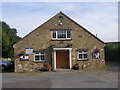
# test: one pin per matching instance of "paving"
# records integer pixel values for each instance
(63, 79)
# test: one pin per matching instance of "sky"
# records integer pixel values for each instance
(99, 18)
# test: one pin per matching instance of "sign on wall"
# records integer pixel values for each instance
(24, 57)
(29, 50)
(96, 53)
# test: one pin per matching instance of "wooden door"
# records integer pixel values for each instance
(62, 59)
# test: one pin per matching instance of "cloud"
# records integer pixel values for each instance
(65, 6)
(103, 25)
(0, 11)
(59, 0)
(26, 24)
(98, 18)
(102, 21)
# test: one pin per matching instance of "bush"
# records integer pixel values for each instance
(44, 69)
(111, 51)
(75, 66)
(47, 65)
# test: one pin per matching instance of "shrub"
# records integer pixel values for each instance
(75, 66)
(46, 67)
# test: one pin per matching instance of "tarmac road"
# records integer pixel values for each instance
(63, 79)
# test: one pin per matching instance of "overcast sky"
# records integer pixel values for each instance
(99, 18)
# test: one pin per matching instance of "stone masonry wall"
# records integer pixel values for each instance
(40, 39)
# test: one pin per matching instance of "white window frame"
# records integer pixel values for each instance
(60, 38)
(39, 53)
(82, 52)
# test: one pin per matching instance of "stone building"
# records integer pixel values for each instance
(62, 43)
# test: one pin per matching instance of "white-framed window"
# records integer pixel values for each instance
(61, 34)
(82, 55)
(39, 56)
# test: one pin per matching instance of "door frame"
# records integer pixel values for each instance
(57, 49)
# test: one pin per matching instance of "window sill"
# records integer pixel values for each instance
(61, 39)
(82, 59)
(39, 61)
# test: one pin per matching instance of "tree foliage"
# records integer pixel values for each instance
(112, 51)
(9, 37)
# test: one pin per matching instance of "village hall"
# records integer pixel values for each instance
(62, 43)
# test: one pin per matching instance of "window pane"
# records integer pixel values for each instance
(42, 53)
(36, 53)
(42, 57)
(54, 34)
(80, 51)
(37, 58)
(61, 34)
(68, 34)
(80, 56)
(85, 56)
(58, 34)
(64, 34)
(85, 51)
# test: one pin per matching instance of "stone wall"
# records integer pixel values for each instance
(40, 39)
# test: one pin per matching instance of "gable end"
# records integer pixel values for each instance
(83, 28)
(50, 29)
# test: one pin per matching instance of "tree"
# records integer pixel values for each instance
(9, 37)
(112, 51)
(5, 43)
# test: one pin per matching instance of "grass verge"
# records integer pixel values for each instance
(97, 69)
(20, 72)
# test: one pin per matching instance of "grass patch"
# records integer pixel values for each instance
(21, 73)
(6, 72)
(97, 69)
(107, 67)
(28, 72)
